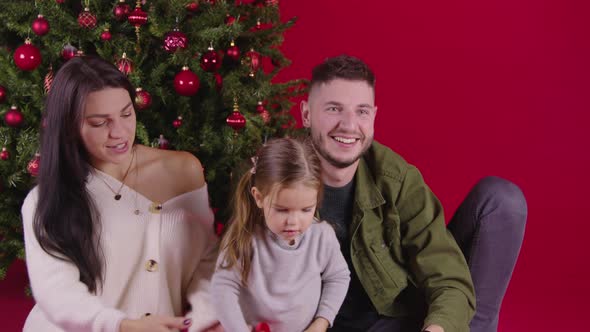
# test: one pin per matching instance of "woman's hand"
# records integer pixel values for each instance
(154, 323)
(320, 324)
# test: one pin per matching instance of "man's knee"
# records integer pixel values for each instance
(504, 195)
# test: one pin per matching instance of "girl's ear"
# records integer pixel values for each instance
(257, 196)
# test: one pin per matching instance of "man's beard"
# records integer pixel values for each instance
(317, 141)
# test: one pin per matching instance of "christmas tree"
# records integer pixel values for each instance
(203, 72)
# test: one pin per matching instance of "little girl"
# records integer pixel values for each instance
(279, 265)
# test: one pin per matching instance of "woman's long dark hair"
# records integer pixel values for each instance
(67, 224)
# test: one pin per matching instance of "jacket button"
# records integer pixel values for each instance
(151, 265)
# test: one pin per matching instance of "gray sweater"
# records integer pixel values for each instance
(288, 286)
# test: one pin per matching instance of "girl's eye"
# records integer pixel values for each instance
(97, 125)
(307, 210)
(126, 115)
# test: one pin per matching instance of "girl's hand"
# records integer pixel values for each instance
(214, 328)
(434, 328)
(154, 323)
(320, 324)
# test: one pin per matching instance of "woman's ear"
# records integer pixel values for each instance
(257, 196)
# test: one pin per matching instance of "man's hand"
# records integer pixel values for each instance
(320, 324)
(434, 328)
(154, 323)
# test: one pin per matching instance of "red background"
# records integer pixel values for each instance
(467, 89)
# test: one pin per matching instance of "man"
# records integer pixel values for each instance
(408, 272)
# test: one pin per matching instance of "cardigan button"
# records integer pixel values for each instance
(151, 266)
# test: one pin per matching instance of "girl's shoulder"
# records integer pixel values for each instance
(323, 229)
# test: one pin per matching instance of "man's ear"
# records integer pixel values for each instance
(257, 196)
(305, 113)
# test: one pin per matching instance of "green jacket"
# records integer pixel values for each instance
(399, 241)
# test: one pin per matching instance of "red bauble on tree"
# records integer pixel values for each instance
(233, 52)
(125, 64)
(86, 19)
(174, 40)
(2, 94)
(177, 122)
(186, 83)
(192, 6)
(218, 82)
(137, 17)
(121, 10)
(4, 155)
(40, 26)
(229, 20)
(236, 120)
(253, 61)
(264, 114)
(14, 118)
(68, 52)
(48, 79)
(106, 35)
(163, 143)
(143, 99)
(33, 166)
(60, 1)
(210, 61)
(27, 56)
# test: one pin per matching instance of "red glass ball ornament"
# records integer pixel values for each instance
(229, 20)
(40, 26)
(186, 83)
(4, 155)
(210, 60)
(233, 52)
(137, 17)
(121, 10)
(68, 52)
(2, 94)
(236, 120)
(218, 82)
(174, 40)
(143, 99)
(177, 122)
(14, 118)
(163, 143)
(192, 7)
(86, 19)
(125, 64)
(106, 35)
(27, 57)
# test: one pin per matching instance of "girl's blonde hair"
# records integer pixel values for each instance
(280, 163)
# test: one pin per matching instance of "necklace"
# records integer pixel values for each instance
(118, 192)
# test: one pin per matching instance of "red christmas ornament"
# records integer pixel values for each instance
(33, 166)
(192, 7)
(262, 327)
(253, 61)
(121, 10)
(264, 114)
(60, 1)
(86, 19)
(218, 82)
(236, 120)
(27, 56)
(143, 99)
(210, 61)
(163, 143)
(106, 35)
(2, 94)
(14, 118)
(219, 226)
(40, 26)
(4, 155)
(68, 52)
(174, 40)
(233, 52)
(272, 2)
(177, 122)
(48, 79)
(137, 17)
(186, 83)
(229, 20)
(125, 64)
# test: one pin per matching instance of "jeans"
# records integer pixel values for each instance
(489, 228)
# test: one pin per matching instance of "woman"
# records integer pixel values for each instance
(118, 236)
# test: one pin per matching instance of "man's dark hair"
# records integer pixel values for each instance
(345, 67)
